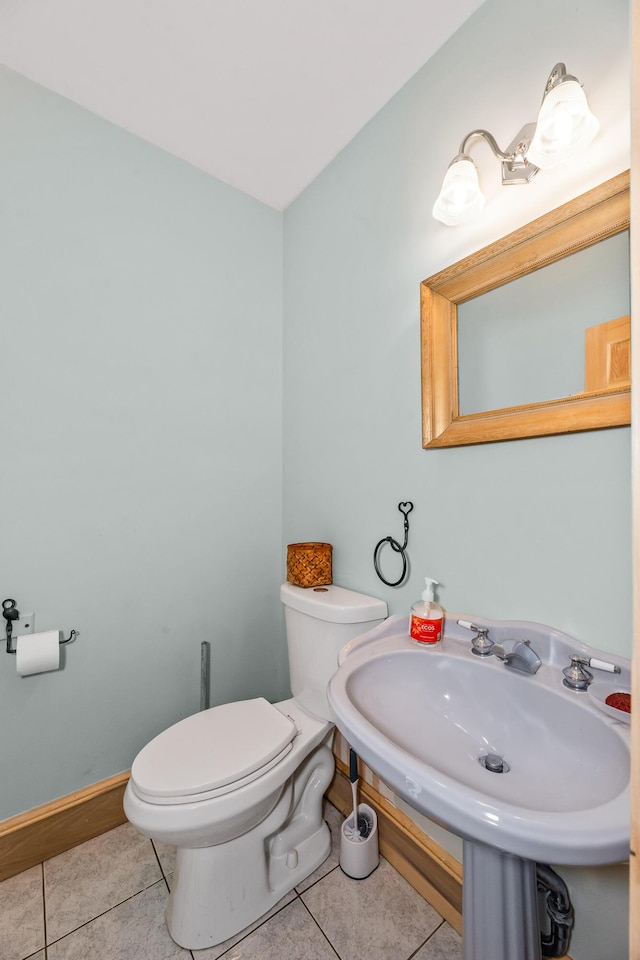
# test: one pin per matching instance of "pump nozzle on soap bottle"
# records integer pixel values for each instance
(427, 617)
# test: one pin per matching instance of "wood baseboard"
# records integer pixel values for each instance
(434, 873)
(44, 832)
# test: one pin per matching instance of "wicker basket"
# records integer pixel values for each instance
(309, 564)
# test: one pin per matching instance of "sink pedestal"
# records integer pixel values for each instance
(499, 905)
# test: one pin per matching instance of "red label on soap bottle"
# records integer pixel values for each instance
(425, 631)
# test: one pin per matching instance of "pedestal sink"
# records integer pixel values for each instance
(427, 720)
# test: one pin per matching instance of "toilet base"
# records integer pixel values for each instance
(218, 891)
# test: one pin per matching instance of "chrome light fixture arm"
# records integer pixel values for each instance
(463, 152)
(515, 166)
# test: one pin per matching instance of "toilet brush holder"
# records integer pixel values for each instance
(359, 854)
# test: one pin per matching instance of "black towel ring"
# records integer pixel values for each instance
(405, 509)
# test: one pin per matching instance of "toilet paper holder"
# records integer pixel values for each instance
(11, 613)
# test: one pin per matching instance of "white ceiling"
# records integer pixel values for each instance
(261, 94)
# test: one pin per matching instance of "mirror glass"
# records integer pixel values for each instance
(524, 342)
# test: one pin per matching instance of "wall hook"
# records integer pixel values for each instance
(405, 509)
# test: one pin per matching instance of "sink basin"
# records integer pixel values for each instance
(425, 720)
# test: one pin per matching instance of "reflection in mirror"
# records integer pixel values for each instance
(524, 342)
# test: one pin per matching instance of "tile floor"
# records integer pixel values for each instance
(105, 900)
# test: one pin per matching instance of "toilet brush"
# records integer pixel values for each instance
(360, 826)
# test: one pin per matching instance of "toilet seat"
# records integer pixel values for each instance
(213, 752)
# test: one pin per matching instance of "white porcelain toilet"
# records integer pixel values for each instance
(238, 789)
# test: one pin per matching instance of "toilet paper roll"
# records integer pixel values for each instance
(38, 652)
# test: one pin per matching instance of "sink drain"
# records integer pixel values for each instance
(494, 763)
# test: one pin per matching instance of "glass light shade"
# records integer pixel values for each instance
(460, 198)
(565, 126)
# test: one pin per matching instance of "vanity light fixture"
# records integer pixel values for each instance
(565, 127)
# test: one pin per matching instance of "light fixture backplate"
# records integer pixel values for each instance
(519, 170)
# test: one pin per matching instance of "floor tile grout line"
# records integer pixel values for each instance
(325, 935)
(315, 882)
(105, 912)
(44, 910)
(265, 921)
(425, 942)
(162, 871)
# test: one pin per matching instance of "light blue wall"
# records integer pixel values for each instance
(141, 306)
(533, 529)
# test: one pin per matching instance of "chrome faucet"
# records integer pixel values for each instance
(518, 655)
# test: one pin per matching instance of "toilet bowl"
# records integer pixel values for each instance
(238, 789)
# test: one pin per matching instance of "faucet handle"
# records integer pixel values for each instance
(481, 645)
(576, 677)
(597, 664)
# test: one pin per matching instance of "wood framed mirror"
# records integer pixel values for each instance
(579, 224)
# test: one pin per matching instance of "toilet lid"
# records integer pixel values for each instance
(212, 749)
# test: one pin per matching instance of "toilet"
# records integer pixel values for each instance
(238, 789)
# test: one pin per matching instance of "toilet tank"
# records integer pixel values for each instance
(319, 621)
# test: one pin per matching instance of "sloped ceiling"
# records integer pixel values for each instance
(261, 94)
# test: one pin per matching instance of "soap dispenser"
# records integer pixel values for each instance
(427, 617)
